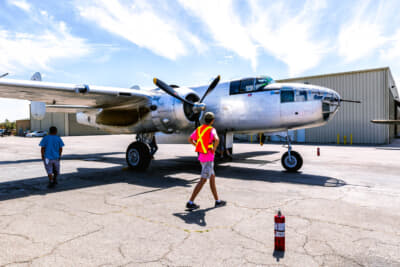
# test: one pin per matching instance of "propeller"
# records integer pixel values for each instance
(3, 75)
(197, 107)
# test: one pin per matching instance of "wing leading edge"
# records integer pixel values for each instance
(74, 95)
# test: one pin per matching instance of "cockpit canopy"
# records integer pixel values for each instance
(249, 85)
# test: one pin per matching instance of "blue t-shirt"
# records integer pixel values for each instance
(52, 145)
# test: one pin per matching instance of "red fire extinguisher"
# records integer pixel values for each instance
(279, 232)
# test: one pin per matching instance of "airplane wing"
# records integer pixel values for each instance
(73, 96)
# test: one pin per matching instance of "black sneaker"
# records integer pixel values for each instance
(192, 206)
(220, 203)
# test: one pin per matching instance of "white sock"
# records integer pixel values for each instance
(218, 201)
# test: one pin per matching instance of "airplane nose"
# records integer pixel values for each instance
(337, 97)
(330, 104)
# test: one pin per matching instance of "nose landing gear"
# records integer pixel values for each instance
(291, 160)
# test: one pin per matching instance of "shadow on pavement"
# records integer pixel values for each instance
(278, 255)
(88, 157)
(162, 174)
(194, 217)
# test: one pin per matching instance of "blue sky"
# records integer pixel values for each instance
(188, 42)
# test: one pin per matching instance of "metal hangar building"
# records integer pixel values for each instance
(375, 88)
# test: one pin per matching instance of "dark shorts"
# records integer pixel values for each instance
(207, 169)
(52, 166)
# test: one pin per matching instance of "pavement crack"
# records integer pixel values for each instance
(29, 261)
(18, 235)
(121, 251)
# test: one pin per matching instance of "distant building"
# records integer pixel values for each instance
(375, 88)
(22, 126)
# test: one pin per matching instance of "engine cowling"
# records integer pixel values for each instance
(171, 115)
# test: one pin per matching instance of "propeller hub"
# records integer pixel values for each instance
(199, 107)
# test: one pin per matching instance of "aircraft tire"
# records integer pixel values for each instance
(138, 156)
(292, 165)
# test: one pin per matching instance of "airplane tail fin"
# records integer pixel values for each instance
(36, 77)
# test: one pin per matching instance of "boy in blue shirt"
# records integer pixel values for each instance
(51, 153)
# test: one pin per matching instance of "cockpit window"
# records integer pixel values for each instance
(247, 86)
(250, 85)
(287, 95)
(234, 87)
(261, 82)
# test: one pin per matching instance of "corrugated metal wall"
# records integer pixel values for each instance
(354, 119)
(51, 119)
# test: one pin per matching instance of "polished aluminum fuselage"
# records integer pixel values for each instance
(251, 112)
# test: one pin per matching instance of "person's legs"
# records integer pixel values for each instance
(213, 187)
(198, 188)
(56, 170)
(49, 169)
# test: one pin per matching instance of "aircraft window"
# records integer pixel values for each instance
(247, 86)
(301, 95)
(317, 95)
(262, 82)
(234, 87)
(287, 96)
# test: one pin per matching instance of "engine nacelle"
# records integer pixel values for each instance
(171, 115)
(38, 110)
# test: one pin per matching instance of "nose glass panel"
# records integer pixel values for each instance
(330, 104)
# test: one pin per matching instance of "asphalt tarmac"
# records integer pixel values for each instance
(342, 209)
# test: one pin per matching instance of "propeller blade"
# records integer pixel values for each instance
(169, 90)
(350, 101)
(4, 75)
(211, 87)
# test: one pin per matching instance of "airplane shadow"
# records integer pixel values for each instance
(87, 157)
(162, 174)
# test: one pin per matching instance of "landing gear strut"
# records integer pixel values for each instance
(139, 153)
(291, 160)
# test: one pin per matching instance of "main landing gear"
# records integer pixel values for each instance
(291, 160)
(140, 153)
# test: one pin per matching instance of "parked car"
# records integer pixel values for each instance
(2, 132)
(36, 134)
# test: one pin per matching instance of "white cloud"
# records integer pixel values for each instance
(22, 4)
(362, 34)
(33, 51)
(289, 37)
(224, 26)
(286, 36)
(139, 23)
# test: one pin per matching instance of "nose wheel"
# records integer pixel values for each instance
(291, 160)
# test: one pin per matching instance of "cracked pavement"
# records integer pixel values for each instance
(342, 209)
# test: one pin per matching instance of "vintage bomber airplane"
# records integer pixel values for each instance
(249, 105)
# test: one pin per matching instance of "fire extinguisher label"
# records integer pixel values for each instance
(279, 226)
(279, 234)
